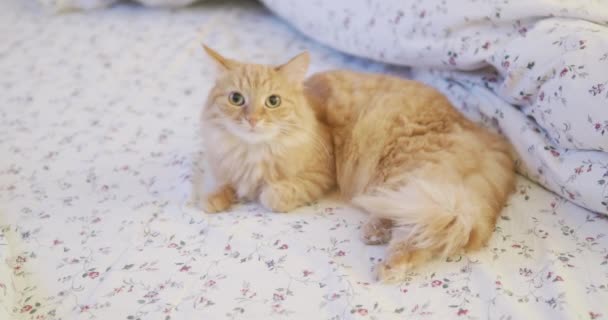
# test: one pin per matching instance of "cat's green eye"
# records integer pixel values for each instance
(273, 101)
(236, 98)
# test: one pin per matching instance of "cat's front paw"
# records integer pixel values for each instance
(278, 197)
(219, 201)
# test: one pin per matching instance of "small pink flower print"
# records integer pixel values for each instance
(306, 273)
(462, 312)
(340, 253)
(172, 245)
(26, 308)
(57, 242)
(400, 15)
(486, 45)
(541, 96)
(278, 297)
(523, 30)
(334, 296)
(525, 272)
(563, 72)
(362, 311)
(184, 268)
(554, 153)
(21, 259)
(506, 64)
(404, 290)
(590, 239)
(96, 220)
(498, 283)
(84, 308)
(210, 283)
(422, 14)
(227, 247)
(436, 283)
(593, 315)
(346, 22)
(558, 279)
(598, 126)
(578, 170)
(597, 89)
(93, 274)
(283, 247)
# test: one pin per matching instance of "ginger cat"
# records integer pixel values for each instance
(432, 181)
(262, 139)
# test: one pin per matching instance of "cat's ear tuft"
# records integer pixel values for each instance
(222, 62)
(296, 68)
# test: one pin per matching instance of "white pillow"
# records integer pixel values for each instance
(67, 5)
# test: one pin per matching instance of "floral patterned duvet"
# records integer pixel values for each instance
(98, 136)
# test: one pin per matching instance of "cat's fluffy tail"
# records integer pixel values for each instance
(441, 218)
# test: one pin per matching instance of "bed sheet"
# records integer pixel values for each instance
(98, 132)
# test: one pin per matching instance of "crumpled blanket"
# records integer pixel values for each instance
(541, 71)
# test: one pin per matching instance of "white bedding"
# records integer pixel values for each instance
(98, 123)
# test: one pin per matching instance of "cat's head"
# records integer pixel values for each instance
(257, 103)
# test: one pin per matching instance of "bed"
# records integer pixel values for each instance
(98, 149)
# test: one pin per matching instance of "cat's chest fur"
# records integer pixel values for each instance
(252, 173)
(246, 167)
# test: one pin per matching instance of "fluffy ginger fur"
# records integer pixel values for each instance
(280, 156)
(432, 181)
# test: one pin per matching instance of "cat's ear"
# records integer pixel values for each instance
(296, 68)
(223, 63)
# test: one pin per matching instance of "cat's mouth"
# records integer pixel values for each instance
(252, 135)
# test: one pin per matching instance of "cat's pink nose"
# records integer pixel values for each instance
(252, 121)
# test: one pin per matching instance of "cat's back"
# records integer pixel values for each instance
(352, 81)
(340, 95)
